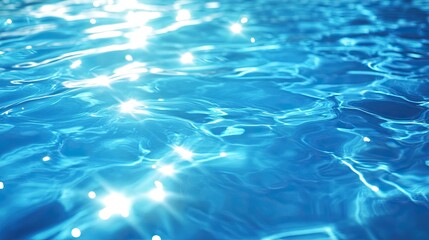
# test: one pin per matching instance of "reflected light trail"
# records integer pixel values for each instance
(155, 70)
(115, 204)
(322, 232)
(93, 82)
(75, 64)
(212, 5)
(223, 154)
(361, 177)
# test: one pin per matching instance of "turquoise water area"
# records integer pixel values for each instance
(165, 120)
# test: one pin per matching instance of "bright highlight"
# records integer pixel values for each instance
(115, 204)
(236, 28)
(187, 58)
(184, 153)
(75, 232)
(157, 194)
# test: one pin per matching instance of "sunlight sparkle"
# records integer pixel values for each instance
(75, 232)
(92, 194)
(156, 237)
(128, 57)
(187, 58)
(157, 194)
(115, 203)
(236, 28)
(131, 106)
(184, 153)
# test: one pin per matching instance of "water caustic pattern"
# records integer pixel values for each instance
(187, 119)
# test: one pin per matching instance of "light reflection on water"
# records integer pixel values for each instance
(132, 119)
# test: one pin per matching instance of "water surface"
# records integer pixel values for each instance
(207, 120)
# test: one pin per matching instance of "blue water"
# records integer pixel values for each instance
(207, 120)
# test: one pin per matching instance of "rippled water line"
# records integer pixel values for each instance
(73, 55)
(361, 177)
(308, 233)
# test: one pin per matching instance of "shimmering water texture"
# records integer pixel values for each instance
(261, 119)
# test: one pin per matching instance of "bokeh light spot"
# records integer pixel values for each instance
(75, 232)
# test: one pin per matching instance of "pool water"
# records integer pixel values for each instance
(264, 119)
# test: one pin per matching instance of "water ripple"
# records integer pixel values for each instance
(134, 119)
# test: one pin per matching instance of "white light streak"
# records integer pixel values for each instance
(223, 154)
(75, 64)
(212, 5)
(361, 177)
